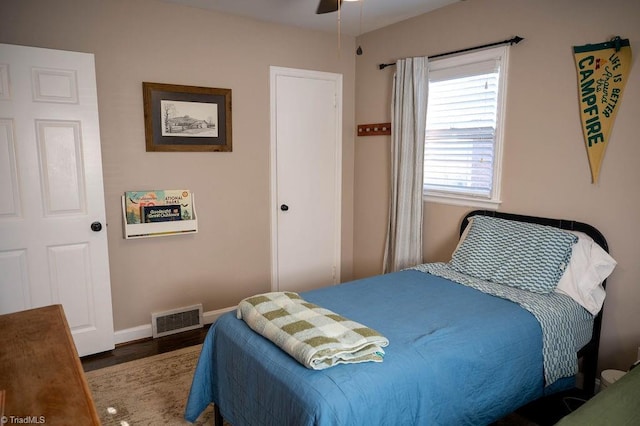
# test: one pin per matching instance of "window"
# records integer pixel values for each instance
(463, 141)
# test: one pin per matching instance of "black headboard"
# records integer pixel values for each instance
(569, 225)
(589, 352)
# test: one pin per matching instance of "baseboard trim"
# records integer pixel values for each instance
(211, 316)
(146, 331)
(132, 334)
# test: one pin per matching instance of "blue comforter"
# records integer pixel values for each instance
(456, 356)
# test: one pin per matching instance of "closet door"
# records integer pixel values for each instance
(306, 170)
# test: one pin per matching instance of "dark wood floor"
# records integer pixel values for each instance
(144, 348)
(545, 412)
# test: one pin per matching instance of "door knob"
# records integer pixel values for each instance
(284, 207)
(96, 227)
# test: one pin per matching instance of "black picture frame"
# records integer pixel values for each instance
(186, 118)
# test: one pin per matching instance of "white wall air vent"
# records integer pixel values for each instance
(176, 320)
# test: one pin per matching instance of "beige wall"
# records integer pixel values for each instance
(545, 172)
(147, 40)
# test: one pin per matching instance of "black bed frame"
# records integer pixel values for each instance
(589, 353)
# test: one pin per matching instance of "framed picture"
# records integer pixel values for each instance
(186, 118)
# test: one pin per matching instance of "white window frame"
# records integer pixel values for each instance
(500, 54)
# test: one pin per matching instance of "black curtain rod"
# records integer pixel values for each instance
(511, 41)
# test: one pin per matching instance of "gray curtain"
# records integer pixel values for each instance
(408, 120)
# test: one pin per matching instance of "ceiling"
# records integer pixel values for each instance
(302, 13)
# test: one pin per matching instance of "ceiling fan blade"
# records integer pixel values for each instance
(327, 6)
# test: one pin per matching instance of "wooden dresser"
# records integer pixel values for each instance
(41, 377)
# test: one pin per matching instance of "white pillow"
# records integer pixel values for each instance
(464, 233)
(589, 266)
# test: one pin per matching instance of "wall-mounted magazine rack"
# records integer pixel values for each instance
(135, 227)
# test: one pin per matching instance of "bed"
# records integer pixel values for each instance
(462, 349)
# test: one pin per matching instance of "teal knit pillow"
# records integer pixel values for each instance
(518, 254)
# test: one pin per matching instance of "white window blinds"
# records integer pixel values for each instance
(463, 116)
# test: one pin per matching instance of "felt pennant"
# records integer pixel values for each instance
(603, 70)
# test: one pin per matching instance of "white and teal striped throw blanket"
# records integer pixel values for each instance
(316, 337)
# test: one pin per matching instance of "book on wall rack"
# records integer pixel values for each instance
(166, 213)
(136, 202)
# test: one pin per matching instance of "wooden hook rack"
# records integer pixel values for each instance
(374, 129)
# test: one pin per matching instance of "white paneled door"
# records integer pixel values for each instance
(306, 170)
(53, 240)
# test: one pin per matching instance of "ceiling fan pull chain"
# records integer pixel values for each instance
(339, 27)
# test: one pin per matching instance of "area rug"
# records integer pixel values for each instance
(148, 391)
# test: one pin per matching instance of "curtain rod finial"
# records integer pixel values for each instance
(516, 40)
